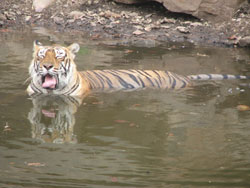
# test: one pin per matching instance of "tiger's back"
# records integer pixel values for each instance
(133, 79)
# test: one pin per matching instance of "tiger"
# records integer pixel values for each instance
(53, 70)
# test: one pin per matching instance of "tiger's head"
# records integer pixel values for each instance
(52, 68)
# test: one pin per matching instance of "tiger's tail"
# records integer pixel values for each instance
(217, 77)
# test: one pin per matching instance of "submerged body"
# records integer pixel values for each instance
(53, 70)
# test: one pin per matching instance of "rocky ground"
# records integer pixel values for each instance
(141, 25)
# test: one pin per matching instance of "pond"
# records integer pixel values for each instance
(149, 138)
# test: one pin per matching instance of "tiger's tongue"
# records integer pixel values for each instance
(49, 82)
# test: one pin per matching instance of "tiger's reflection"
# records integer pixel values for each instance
(52, 118)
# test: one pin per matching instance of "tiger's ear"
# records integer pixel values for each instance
(74, 48)
(36, 45)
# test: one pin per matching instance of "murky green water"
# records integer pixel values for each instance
(190, 138)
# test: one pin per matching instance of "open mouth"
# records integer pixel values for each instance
(49, 82)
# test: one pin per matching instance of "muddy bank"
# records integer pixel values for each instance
(147, 24)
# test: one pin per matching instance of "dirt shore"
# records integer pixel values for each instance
(147, 24)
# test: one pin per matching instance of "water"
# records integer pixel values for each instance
(194, 137)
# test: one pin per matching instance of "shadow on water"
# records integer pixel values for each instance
(149, 138)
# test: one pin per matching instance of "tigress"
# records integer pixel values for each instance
(53, 70)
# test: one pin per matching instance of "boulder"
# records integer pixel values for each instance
(244, 41)
(40, 5)
(131, 1)
(211, 10)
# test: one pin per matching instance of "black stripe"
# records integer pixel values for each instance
(121, 81)
(107, 80)
(159, 86)
(238, 77)
(176, 78)
(65, 70)
(143, 85)
(169, 77)
(132, 70)
(150, 81)
(159, 77)
(65, 55)
(147, 73)
(36, 66)
(74, 87)
(91, 80)
(69, 63)
(181, 79)
(101, 80)
(186, 79)
(141, 73)
(34, 88)
(225, 76)
(134, 78)
(174, 84)
(125, 84)
(184, 84)
(131, 75)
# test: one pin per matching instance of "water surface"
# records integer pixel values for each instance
(194, 137)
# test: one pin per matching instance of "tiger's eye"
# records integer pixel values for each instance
(41, 53)
(60, 53)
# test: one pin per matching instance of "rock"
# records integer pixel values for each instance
(131, 1)
(15, 7)
(27, 18)
(2, 17)
(109, 14)
(18, 12)
(147, 21)
(138, 27)
(244, 41)
(182, 29)
(93, 24)
(211, 10)
(58, 20)
(71, 21)
(39, 5)
(138, 32)
(165, 20)
(76, 14)
(148, 28)
(165, 26)
(10, 15)
(148, 16)
(214, 10)
(195, 24)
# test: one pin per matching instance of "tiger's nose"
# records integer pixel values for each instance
(48, 66)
